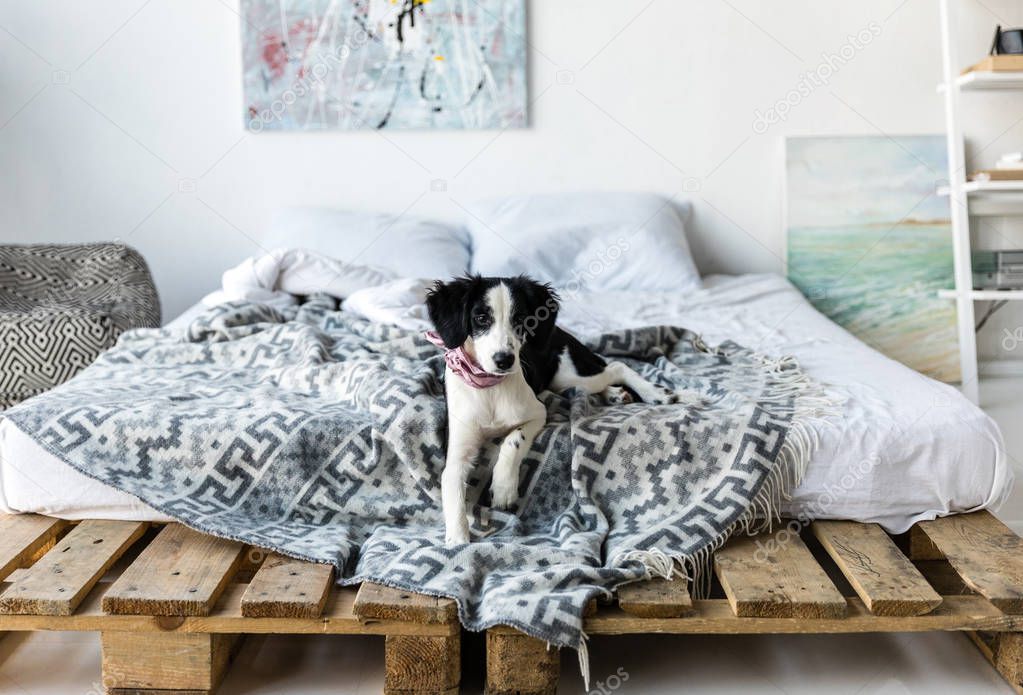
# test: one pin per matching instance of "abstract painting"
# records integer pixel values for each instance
(870, 243)
(375, 64)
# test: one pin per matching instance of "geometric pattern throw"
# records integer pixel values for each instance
(320, 434)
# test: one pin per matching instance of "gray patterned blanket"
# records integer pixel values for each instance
(321, 435)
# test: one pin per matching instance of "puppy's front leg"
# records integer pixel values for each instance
(463, 444)
(504, 486)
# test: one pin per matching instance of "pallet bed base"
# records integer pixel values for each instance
(962, 573)
(173, 606)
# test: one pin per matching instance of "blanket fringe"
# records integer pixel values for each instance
(584, 660)
(804, 401)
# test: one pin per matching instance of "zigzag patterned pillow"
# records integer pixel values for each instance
(61, 306)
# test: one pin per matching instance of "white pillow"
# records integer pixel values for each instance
(408, 246)
(585, 241)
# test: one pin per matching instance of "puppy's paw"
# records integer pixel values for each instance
(459, 535)
(618, 395)
(503, 494)
(658, 395)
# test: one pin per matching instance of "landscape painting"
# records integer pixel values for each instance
(384, 64)
(870, 243)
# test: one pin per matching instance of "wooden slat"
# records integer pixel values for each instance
(985, 553)
(58, 582)
(338, 618)
(712, 616)
(287, 588)
(21, 535)
(881, 575)
(776, 576)
(182, 572)
(715, 617)
(656, 598)
(377, 602)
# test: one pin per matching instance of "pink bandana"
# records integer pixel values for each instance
(461, 363)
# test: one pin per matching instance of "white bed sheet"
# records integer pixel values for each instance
(906, 448)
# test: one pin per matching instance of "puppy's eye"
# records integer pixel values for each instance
(481, 320)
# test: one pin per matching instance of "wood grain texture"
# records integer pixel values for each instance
(422, 664)
(877, 570)
(337, 618)
(767, 578)
(986, 554)
(378, 602)
(170, 662)
(1004, 651)
(59, 580)
(21, 535)
(656, 598)
(287, 588)
(518, 664)
(182, 572)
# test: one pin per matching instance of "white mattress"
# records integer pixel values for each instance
(906, 448)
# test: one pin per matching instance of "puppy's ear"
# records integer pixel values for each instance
(447, 304)
(544, 304)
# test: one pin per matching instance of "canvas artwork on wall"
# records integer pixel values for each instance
(870, 243)
(373, 64)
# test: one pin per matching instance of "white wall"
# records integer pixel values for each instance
(628, 95)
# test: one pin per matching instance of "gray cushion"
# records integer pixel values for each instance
(62, 305)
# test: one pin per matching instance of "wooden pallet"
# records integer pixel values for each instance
(172, 605)
(962, 573)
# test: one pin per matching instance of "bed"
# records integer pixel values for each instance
(906, 449)
(906, 453)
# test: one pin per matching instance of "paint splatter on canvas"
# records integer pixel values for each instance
(365, 64)
(870, 243)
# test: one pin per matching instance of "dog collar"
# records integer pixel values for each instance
(462, 363)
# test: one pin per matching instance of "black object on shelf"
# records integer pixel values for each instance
(1007, 41)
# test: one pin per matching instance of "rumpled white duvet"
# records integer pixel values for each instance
(906, 448)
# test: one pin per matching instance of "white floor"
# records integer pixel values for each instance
(69, 663)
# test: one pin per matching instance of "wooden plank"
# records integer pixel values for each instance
(287, 588)
(656, 598)
(338, 618)
(422, 665)
(765, 577)
(877, 570)
(182, 572)
(58, 582)
(21, 535)
(518, 664)
(378, 602)
(715, 616)
(1004, 651)
(985, 553)
(179, 663)
(712, 616)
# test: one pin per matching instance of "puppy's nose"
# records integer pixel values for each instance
(504, 360)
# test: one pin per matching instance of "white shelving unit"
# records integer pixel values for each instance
(970, 197)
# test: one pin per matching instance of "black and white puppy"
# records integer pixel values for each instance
(503, 348)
